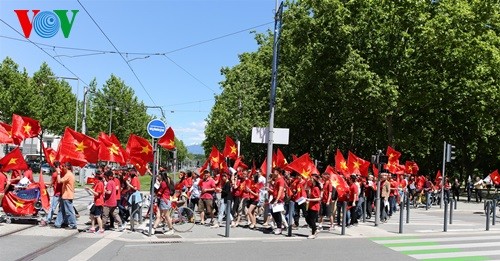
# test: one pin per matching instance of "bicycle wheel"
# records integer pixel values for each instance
(182, 219)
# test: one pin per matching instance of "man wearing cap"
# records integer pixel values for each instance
(66, 212)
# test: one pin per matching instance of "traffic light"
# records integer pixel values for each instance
(450, 152)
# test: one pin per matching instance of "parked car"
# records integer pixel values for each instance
(46, 168)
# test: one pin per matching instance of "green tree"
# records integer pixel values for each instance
(116, 104)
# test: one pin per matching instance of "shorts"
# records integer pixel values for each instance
(250, 202)
(326, 209)
(165, 204)
(96, 210)
(205, 205)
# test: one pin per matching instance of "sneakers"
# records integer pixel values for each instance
(320, 228)
(294, 227)
(215, 225)
(146, 232)
(251, 226)
(91, 230)
(277, 231)
(331, 229)
(100, 232)
(121, 228)
(311, 236)
(169, 233)
(43, 223)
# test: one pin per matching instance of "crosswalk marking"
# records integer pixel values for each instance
(450, 247)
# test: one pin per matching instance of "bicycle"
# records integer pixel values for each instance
(182, 217)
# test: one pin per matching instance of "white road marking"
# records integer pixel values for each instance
(466, 245)
(457, 254)
(90, 251)
(146, 245)
(438, 239)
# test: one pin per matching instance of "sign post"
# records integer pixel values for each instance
(156, 129)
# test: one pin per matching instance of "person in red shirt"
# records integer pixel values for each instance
(314, 205)
(326, 209)
(253, 190)
(110, 206)
(29, 175)
(298, 192)
(96, 210)
(278, 194)
(164, 203)
(134, 185)
(54, 201)
(207, 187)
(353, 200)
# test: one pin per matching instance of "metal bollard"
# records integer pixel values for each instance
(291, 206)
(445, 224)
(451, 211)
(407, 209)
(344, 217)
(427, 198)
(401, 214)
(455, 203)
(487, 216)
(494, 212)
(364, 210)
(228, 217)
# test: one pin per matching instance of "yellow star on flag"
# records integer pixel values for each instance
(171, 143)
(10, 133)
(410, 168)
(52, 157)
(27, 129)
(356, 164)
(391, 155)
(18, 204)
(215, 159)
(305, 173)
(12, 161)
(113, 149)
(233, 149)
(335, 183)
(44, 192)
(343, 165)
(80, 146)
(146, 150)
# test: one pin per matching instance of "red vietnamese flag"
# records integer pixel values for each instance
(303, 165)
(280, 159)
(168, 140)
(239, 163)
(340, 185)
(222, 164)
(411, 167)
(18, 206)
(254, 169)
(263, 167)
(400, 169)
(203, 167)
(44, 195)
(50, 155)
(341, 164)
(230, 149)
(375, 170)
(13, 161)
(139, 165)
(110, 149)
(139, 150)
(214, 158)
(6, 133)
(77, 148)
(392, 166)
(294, 157)
(438, 177)
(357, 165)
(24, 127)
(495, 177)
(392, 154)
(330, 170)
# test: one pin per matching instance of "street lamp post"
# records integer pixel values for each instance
(77, 91)
(111, 117)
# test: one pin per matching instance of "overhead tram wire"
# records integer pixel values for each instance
(43, 50)
(121, 55)
(190, 74)
(137, 53)
(184, 103)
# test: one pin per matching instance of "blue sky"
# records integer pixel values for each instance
(182, 81)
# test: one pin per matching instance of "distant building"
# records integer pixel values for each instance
(32, 145)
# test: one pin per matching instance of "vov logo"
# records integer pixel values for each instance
(46, 23)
